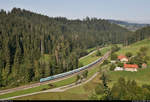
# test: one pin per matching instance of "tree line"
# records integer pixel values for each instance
(25, 37)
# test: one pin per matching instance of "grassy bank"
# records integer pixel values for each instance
(81, 92)
(56, 84)
(89, 59)
(142, 75)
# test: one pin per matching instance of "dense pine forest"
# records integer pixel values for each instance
(25, 37)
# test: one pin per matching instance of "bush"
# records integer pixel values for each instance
(85, 74)
(77, 77)
(115, 48)
(128, 54)
(80, 64)
(120, 64)
(51, 85)
(44, 89)
(137, 60)
(112, 67)
(105, 62)
(83, 53)
(113, 56)
(98, 53)
(143, 49)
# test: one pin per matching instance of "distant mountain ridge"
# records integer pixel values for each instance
(128, 25)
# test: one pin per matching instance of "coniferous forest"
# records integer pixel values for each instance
(25, 37)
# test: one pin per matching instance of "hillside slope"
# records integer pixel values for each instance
(142, 75)
(129, 26)
(25, 38)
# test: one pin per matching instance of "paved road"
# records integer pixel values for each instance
(38, 84)
(59, 89)
(35, 84)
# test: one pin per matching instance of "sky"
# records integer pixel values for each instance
(137, 11)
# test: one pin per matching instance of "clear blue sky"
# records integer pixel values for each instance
(129, 10)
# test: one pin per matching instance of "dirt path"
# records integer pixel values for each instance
(90, 53)
(59, 89)
(37, 84)
(50, 90)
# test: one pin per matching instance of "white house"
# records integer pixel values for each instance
(113, 61)
(118, 69)
(130, 67)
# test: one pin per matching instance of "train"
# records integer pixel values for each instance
(70, 72)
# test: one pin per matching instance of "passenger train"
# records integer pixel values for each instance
(70, 72)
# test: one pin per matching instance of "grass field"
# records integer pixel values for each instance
(142, 75)
(89, 59)
(91, 49)
(78, 93)
(56, 84)
(82, 92)
(134, 48)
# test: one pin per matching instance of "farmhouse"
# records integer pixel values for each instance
(144, 65)
(122, 58)
(130, 67)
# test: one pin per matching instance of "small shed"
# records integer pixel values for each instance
(118, 69)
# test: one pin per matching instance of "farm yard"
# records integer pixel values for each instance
(142, 75)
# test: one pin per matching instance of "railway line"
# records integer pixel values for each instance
(47, 82)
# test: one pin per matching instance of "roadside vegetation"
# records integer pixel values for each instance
(88, 59)
(55, 84)
(24, 39)
(124, 85)
(108, 84)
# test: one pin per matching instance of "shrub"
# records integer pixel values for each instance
(128, 54)
(77, 77)
(113, 56)
(105, 62)
(44, 89)
(112, 67)
(120, 64)
(98, 53)
(85, 74)
(115, 48)
(80, 64)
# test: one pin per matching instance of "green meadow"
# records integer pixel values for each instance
(59, 83)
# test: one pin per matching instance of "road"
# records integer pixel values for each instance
(59, 89)
(38, 84)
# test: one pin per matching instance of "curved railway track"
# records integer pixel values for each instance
(47, 82)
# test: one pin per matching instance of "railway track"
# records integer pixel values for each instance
(47, 82)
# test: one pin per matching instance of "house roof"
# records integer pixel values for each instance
(144, 64)
(121, 57)
(130, 66)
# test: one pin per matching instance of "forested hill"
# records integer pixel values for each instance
(129, 26)
(25, 37)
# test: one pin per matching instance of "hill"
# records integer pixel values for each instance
(129, 26)
(142, 75)
(26, 38)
